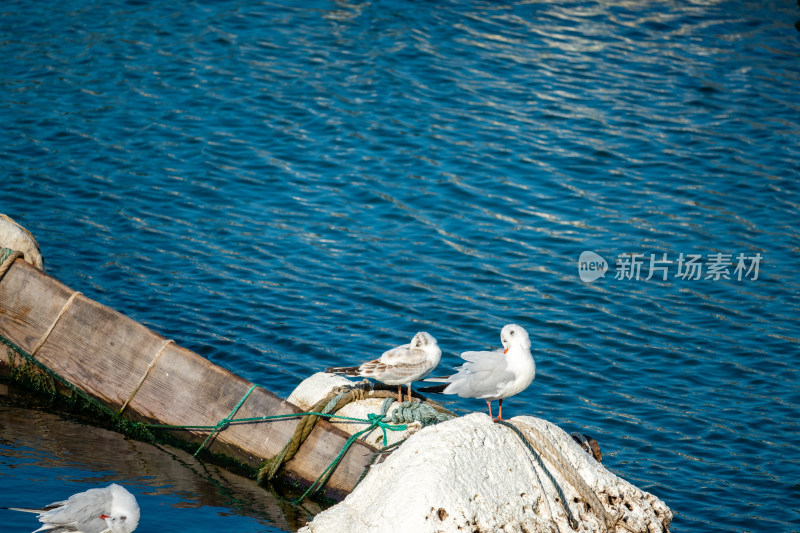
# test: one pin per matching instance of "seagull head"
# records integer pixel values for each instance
(124, 516)
(425, 341)
(422, 341)
(513, 336)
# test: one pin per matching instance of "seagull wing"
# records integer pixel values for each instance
(81, 512)
(398, 365)
(483, 375)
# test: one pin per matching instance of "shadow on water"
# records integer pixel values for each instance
(48, 452)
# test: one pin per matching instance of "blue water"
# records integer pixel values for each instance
(285, 186)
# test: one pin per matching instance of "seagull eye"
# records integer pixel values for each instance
(511, 332)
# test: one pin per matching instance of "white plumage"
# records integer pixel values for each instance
(401, 365)
(493, 375)
(110, 509)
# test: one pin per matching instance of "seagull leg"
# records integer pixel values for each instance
(489, 403)
(399, 394)
(409, 392)
(500, 411)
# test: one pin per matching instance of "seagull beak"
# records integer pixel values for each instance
(505, 351)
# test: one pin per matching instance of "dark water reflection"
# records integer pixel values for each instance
(47, 458)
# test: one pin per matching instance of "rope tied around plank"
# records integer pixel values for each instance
(374, 420)
(225, 422)
(324, 408)
(407, 412)
(7, 258)
(61, 313)
(146, 373)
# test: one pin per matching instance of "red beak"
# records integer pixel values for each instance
(505, 351)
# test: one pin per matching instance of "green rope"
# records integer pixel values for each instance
(406, 412)
(7, 258)
(375, 457)
(222, 424)
(5, 253)
(268, 418)
(335, 400)
(375, 420)
(418, 412)
(270, 467)
(331, 405)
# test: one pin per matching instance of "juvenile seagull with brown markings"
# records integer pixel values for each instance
(401, 365)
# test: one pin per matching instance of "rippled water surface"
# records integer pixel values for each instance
(284, 186)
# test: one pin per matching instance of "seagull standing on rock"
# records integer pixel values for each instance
(493, 375)
(401, 365)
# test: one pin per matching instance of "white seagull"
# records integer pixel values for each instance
(493, 375)
(110, 509)
(401, 365)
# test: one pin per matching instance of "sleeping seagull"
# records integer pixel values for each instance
(493, 375)
(110, 509)
(401, 365)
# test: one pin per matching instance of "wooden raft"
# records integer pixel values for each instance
(105, 353)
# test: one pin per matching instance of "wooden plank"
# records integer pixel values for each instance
(106, 353)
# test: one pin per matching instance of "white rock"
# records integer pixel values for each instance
(470, 474)
(316, 387)
(14, 236)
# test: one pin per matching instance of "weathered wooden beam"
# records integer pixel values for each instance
(105, 353)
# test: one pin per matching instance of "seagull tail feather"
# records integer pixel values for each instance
(346, 370)
(435, 388)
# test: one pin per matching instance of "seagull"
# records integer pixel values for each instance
(400, 365)
(110, 509)
(493, 375)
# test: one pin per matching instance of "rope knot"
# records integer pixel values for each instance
(225, 422)
(222, 424)
(423, 413)
(377, 420)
